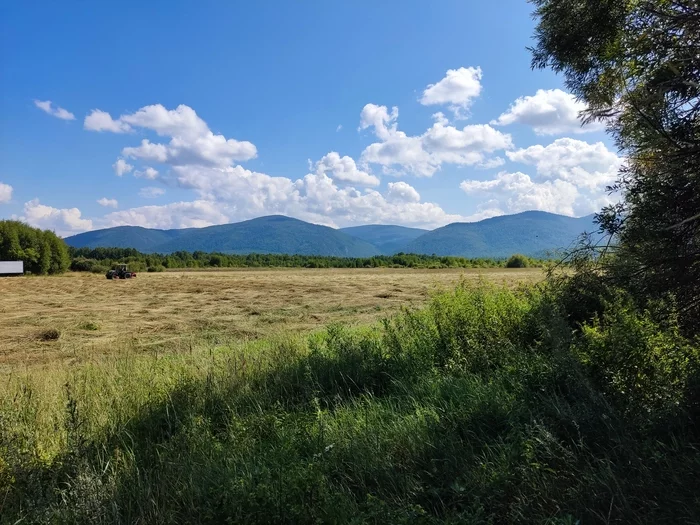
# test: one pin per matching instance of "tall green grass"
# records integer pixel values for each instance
(487, 406)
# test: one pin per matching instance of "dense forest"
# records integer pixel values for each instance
(42, 251)
(99, 260)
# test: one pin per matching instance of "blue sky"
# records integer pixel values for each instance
(256, 108)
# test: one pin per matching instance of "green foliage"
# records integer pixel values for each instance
(83, 264)
(642, 365)
(517, 261)
(636, 66)
(480, 408)
(42, 251)
(98, 259)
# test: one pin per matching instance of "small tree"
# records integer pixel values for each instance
(517, 261)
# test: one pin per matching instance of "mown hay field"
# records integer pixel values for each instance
(78, 317)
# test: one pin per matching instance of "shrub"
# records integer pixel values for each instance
(639, 361)
(517, 261)
(157, 268)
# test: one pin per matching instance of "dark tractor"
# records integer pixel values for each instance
(121, 272)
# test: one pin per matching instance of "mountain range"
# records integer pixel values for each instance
(531, 233)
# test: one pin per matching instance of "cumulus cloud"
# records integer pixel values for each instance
(402, 192)
(108, 203)
(121, 167)
(344, 169)
(47, 107)
(99, 120)
(379, 118)
(5, 192)
(151, 192)
(520, 193)
(191, 140)
(196, 214)
(242, 194)
(457, 90)
(424, 154)
(66, 221)
(570, 177)
(548, 112)
(148, 173)
(590, 166)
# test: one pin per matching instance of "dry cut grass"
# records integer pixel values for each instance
(79, 317)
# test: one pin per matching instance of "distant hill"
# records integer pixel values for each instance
(142, 239)
(273, 234)
(532, 233)
(387, 238)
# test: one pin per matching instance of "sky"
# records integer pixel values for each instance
(186, 114)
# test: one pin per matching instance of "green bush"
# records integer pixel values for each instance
(517, 261)
(641, 364)
(157, 268)
(81, 264)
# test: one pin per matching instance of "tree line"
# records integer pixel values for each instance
(102, 259)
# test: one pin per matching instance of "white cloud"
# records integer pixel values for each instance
(590, 166)
(99, 120)
(64, 222)
(570, 178)
(340, 126)
(486, 210)
(440, 118)
(520, 193)
(58, 112)
(147, 151)
(423, 155)
(191, 140)
(548, 112)
(149, 173)
(151, 192)
(5, 192)
(108, 203)
(344, 169)
(379, 118)
(457, 90)
(196, 214)
(243, 194)
(121, 167)
(491, 163)
(403, 192)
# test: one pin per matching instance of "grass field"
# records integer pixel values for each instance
(240, 397)
(78, 317)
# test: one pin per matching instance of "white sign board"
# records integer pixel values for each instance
(11, 267)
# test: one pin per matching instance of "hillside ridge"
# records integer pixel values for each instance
(533, 233)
